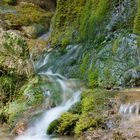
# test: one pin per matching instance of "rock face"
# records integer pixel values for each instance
(15, 67)
(21, 23)
(108, 38)
(20, 128)
(14, 55)
(25, 14)
(102, 39)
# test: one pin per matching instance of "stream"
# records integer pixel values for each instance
(70, 95)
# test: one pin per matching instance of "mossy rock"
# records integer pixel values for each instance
(74, 20)
(66, 21)
(84, 115)
(14, 54)
(52, 129)
(76, 108)
(34, 30)
(48, 5)
(85, 122)
(30, 95)
(64, 125)
(37, 47)
(10, 2)
(27, 14)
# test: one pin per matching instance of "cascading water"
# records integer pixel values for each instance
(70, 95)
(130, 109)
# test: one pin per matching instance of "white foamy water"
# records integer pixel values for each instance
(38, 131)
(130, 109)
(70, 95)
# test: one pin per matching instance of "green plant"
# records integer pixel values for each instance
(93, 77)
(93, 16)
(137, 20)
(85, 122)
(87, 101)
(76, 109)
(84, 65)
(64, 125)
(28, 14)
(52, 129)
(67, 123)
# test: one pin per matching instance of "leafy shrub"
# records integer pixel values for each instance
(67, 124)
(64, 125)
(85, 122)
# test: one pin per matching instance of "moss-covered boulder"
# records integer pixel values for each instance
(26, 14)
(88, 114)
(34, 30)
(29, 96)
(15, 68)
(63, 126)
(14, 54)
(48, 5)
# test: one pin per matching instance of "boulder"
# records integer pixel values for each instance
(14, 54)
(45, 4)
(34, 30)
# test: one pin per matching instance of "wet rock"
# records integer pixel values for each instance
(20, 128)
(37, 47)
(25, 14)
(33, 31)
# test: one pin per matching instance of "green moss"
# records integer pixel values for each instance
(64, 125)
(28, 14)
(85, 122)
(137, 20)
(94, 103)
(93, 78)
(67, 124)
(109, 81)
(95, 100)
(116, 45)
(138, 43)
(76, 109)
(27, 96)
(52, 129)
(138, 68)
(10, 2)
(74, 18)
(8, 84)
(92, 106)
(84, 65)
(66, 21)
(14, 45)
(87, 101)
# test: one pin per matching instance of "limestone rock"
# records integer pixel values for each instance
(34, 31)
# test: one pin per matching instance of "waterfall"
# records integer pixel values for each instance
(130, 109)
(70, 95)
